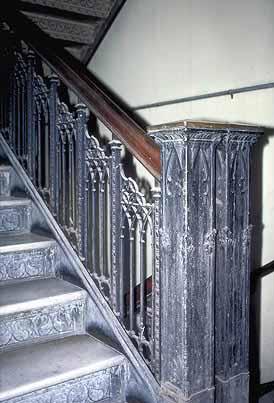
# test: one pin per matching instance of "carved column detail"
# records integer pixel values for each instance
(187, 263)
(232, 267)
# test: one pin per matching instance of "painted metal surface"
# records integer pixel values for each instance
(32, 263)
(204, 255)
(15, 219)
(233, 267)
(104, 386)
(193, 331)
(39, 324)
(102, 212)
(5, 181)
(142, 383)
(46, 318)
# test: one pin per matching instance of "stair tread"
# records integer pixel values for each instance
(5, 167)
(55, 362)
(24, 241)
(10, 201)
(35, 294)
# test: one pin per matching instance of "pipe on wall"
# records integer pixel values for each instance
(229, 92)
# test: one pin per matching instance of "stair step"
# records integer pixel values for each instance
(15, 215)
(37, 309)
(27, 255)
(76, 368)
(5, 175)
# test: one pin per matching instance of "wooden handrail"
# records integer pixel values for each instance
(81, 81)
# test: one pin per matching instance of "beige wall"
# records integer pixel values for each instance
(158, 50)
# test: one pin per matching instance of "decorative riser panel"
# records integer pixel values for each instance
(15, 219)
(29, 264)
(62, 319)
(106, 385)
(4, 182)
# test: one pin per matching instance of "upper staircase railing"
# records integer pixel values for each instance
(193, 237)
(82, 82)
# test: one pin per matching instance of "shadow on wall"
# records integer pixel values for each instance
(256, 391)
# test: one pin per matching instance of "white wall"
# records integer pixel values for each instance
(158, 50)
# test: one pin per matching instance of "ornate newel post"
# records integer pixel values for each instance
(187, 262)
(233, 265)
(204, 261)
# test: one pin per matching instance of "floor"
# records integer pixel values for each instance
(269, 398)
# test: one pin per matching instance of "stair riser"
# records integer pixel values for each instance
(40, 324)
(15, 219)
(4, 182)
(30, 264)
(106, 385)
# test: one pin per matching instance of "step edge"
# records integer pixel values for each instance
(59, 379)
(12, 202)
(132, 355)
(45, 302)
(116, 361)
(27, 246)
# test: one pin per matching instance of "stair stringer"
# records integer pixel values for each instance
(141, 384)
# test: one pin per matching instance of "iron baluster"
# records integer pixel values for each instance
(70, 197)
(117, 290)
(132, 276)
(29, 112)
(39, 148)
(63, 143)
(13, 113)
(18, 116)
(156, 298)
(142, 269)
(53, 145)
(81, 149)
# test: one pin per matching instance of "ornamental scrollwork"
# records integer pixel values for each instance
(246, 236)
(210, 241)
(28, 264)
(60, 319)
(226, 237)
(101, 386)
(96, 159)
(15, 219)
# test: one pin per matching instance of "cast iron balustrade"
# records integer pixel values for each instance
(102, 212)
(193, 237)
